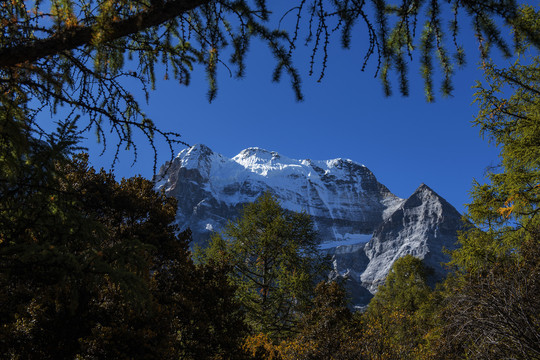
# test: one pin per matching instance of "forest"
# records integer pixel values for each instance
(92, 267)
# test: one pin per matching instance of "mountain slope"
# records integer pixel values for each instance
(361, 223)
(344, 198)
(422, 226)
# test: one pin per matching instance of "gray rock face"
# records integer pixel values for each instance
(423, 226)
(361, 223)
(350, 262)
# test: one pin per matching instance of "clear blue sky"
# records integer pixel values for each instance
(404, 141)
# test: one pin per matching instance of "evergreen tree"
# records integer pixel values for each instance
(274, 260)
(493, 314)
(492, 310)
(505, 212)
(399, 315)
(405, 286)
(328, 330)
(91, 268)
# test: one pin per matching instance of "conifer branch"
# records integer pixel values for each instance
(69, 38)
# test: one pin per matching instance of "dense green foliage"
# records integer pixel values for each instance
(393, 327)
(506, 210)
(326, 330)
(274, 262)
(91, 268)
(498, 262)
(405, 287)
(402, 307)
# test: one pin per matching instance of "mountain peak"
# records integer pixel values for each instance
(197, 150)
(257, 152)
(342, 162)
(263, 162)
(343, 197)
(424, 192)
(199, 156)
(422, 226)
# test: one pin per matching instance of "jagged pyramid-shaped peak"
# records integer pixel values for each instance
(426, 197)
(425, 192)
(422, 226)
(422, 194)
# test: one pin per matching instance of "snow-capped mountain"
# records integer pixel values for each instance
(343, 197)
(360, 222)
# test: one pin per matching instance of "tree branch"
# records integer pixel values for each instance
(71, 38)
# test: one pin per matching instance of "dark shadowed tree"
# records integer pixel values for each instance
(327, 330)
(91, 268)
(494, 313)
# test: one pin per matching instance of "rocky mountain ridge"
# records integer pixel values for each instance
(361, 223)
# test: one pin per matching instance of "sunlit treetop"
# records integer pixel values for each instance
(505, 211)
(78, 54)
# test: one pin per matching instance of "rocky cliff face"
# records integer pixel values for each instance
(361, 223)
(423, 226)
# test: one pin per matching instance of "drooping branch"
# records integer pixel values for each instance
(180, 34)
(73, 37)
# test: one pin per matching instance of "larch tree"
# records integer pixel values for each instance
(92, 268)
(63, 259)
(328, 330)
(76, 55)
(505, 211)
(493, 312)
(397, 317)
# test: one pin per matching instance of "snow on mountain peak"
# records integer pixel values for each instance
(256, 152)
(340, 161)
(262, 161)
(195, 156)
(338, 191)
